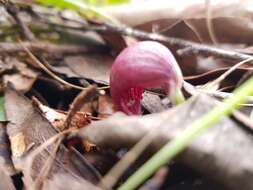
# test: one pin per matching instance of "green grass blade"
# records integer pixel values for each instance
(106, 2)
(2, 110)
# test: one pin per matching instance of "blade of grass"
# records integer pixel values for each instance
(106, 2)
(173, 148)
(2, 112)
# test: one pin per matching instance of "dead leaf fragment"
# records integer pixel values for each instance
(26, 127)
(30, 128)
(57, 117)
(93, 66)
(23, 78)
(18, 146)
(5, 182)
(69, 183)
(5, 152)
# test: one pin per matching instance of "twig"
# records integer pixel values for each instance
(47, 165)
(195, 91)
(192, 47)
(194, 30)
(227, 95)
(83, 97)
(244, 119)
(30, 159)
(224, 75)
(51, 49)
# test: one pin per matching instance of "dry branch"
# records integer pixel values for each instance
(51, 49)
(82, 98)
(184, 46)
(192, 47)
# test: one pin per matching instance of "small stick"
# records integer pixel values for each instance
(82, 98)
(224, 75)
(51, 49)
(192, 47)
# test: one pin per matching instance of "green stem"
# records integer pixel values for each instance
(171, 149)
(179, 97)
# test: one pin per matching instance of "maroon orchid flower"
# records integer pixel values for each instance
(141, 66)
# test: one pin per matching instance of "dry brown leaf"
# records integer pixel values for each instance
(93, 66)
(5, 182)
(23, 78)
(28, 129)
(67, 182)
(58, 117)
(22, 83)
(115, 41)
(5, 152)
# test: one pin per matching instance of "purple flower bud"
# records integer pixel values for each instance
(141, 66)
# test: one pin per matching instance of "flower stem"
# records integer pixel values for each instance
(173, 148)
(179, 97)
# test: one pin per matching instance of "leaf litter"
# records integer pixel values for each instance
(53, 133)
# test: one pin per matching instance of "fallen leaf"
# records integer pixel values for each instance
(5, 152)
(69, 183)
(5, 182)
(116, 41)
(23, 78)
(93, 66)
(57, 117)
(28, 129)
